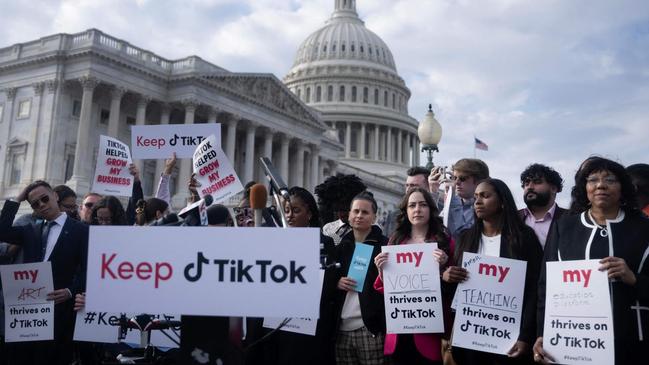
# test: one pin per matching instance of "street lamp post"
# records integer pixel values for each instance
(430, 133)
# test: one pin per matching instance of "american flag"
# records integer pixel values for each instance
(480, 145)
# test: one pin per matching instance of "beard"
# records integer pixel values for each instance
(539, 199)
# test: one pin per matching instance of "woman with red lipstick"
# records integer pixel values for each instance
(611, 228)
(417, 222)
(499, 231)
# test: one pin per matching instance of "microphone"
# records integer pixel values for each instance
(195, 214)
(276, 181)
(168, 220)
(258, 197)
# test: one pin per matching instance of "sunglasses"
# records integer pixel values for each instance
(37, 203)
(89, 205)
(460, 178)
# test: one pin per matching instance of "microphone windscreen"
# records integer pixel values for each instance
(208, 200)
(258, 196)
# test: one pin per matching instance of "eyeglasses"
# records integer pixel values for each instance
(88, 205)
(37, 203)
(460, 178)
(607, 180)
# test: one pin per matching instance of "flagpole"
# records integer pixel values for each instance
(474, 146)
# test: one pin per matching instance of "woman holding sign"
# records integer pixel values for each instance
(499, 231)
(417, 222)
(611, 228)
(359, 309)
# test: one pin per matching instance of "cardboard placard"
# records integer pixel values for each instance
(111, 173)
(214, 172)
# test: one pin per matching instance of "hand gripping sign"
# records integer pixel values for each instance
(578, 324)
(111, 174)
(161, 141)
(489, 304)
(264, 272)
(29, 316)
(214, 171)
(412, 292)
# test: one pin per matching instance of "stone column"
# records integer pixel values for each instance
(283, 160)
(211, 117)
(361, 153)
(250, 153)
(376, 142)
(399, 147)
(140, 119)
(35, 114)
(410, 150)
(417, 151)
(5, 123)
(348, 140)
(80, 180)
(231, 138)
(268, 150)
(299, 163)
(388, 155)
(43, 166)
(165, 113)
(180, 198)
(315, 168)
(116, 94)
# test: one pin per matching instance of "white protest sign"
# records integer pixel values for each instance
(489, 303)
(578, 324)
(412, 292)
(265, 272)
(103, 327)
(214, 171)
(305, 326)
(111, 173)
(29, 316)
(162, 140)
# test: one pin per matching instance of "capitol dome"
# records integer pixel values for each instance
(348, 74)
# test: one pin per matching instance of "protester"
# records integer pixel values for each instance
(360, 315)
(108, 211)
(334, 198)
(640, 178)
(163, 191)
(417, 176)
(149, 210)
(467, 174)
(418, 222)
(611, 228)
(85, 211)
(218, 216)
(67, 201)
(540, 185)
(499, 231)
(64, 243)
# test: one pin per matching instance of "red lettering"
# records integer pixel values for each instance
(143, 268)
(146, 142)
(158, 275)
(125, 270)
(115, 162)
(105, 269)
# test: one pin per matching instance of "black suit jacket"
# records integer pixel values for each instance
(558, 213)
(68, 258)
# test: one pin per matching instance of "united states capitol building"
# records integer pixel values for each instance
(342, 107)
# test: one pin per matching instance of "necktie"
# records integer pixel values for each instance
(44, 234)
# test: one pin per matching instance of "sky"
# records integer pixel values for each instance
(550, 81)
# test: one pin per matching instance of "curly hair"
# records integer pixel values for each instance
(436, 229)
(309, 200)
(538, 170)
(580, 202)
(117, 214)
(336, 193)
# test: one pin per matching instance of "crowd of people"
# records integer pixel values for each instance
(464, 210)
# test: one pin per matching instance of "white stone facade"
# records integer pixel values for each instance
(59, 93)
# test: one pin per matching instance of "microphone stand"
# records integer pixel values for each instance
(280, 208)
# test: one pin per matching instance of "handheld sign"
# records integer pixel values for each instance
(214, 171)
(489, 304)
(162, 140)
(111, 173)
(247, 272)
(578, 324)
(29, 316)
(412, 291)
(359, 265)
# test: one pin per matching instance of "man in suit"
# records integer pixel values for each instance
(540, 185)
(63, 242)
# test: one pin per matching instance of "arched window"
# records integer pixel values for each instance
(318, 94)
(394, 101)
(385, 99)
(299, 93)
(341, 93)
(376, 96)
(308, 95)
(330, 93)
(353, 94)
(342, 47)
(353, 47)
(366, 95)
